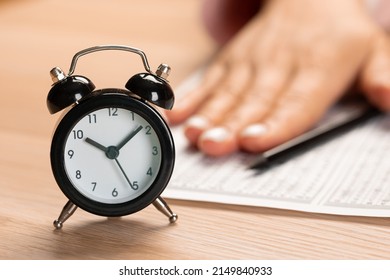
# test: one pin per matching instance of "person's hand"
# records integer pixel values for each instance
(281, 73)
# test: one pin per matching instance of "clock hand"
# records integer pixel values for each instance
(128, 138)
(113, 152)
(96, 144)
(133, 186)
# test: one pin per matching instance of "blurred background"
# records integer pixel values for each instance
(37, 35)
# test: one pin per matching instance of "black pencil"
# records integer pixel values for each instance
(308, 140)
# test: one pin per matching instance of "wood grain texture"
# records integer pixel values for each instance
(38, 35)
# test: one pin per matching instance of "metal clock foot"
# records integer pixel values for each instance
(66, 212)
(163, 207)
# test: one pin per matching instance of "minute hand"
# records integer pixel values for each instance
(127, 139)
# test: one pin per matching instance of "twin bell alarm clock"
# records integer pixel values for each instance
(112, 154)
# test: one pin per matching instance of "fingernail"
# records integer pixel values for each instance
(197, 122)
(254, 130)
(218, 134)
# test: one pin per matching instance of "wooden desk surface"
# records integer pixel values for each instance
(38, 35)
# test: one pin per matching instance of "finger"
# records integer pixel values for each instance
(218, 105)
(299, 108)
(187, 104)
(271, 77)
(375, 76)
(232, 54)
(254, 106)
(323, 74)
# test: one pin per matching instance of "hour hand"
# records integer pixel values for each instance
(96, 144)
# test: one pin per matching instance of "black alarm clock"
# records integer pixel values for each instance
(112, 153)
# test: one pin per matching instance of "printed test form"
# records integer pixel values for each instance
(348, 175)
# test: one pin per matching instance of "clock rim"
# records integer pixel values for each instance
(105, 98)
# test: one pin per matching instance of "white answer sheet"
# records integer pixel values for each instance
(348, 175)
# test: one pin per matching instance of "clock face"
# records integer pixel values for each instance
(112, 155)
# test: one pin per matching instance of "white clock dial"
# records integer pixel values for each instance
(112, 155)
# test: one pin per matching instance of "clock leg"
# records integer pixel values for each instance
(163, 207)
(66, 212)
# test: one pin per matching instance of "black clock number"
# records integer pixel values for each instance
(114, 192)
(113, 112)
(155, 151)
(78, 134)
(78, 174)
(149, 172)
(70, 153)
(94, 186)
(148, 129)
(92, 118)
